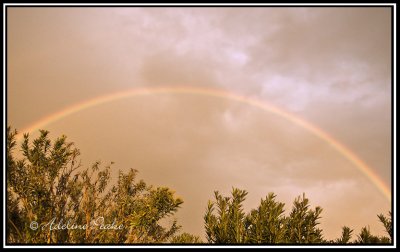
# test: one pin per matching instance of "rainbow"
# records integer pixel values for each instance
(210, 92)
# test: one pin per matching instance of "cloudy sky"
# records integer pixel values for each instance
(329, 66)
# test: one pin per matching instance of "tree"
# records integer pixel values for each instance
(301, 225)
(38, 186)
(366, 237)
(49, 186)
(346, 235)
(266, 223)
(52, 198)
(387, 223)
(228, 225)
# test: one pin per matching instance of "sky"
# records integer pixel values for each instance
(328, 66)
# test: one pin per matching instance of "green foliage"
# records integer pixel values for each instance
(226, 223)
(346, 235)
(50, 186)
(366, 237)
(266, 223)
(301, 225)
(186, 238)
(387, 223)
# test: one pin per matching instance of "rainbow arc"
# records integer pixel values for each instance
(210, 92)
